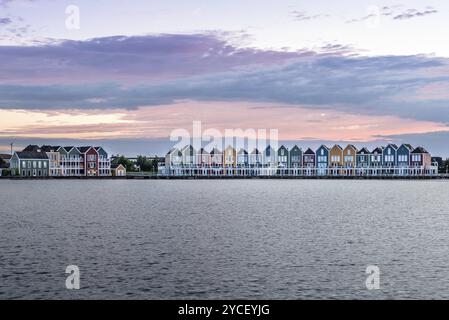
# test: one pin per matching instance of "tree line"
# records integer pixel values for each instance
(141, 164)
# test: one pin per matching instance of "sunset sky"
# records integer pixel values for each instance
(365, 72)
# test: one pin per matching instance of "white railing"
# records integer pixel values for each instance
(298, 171)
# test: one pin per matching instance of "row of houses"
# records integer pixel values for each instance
(35, 161)
(337, 160)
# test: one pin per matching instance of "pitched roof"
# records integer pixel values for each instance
(31, 147)
(323, 146)
(392, 145)
(255, 151)
(68, 149)
(363, 151)
(32, 155)
(408, 146)
(84, 149)
(351, 146)
(309, 151)
(242, 151)
(116, 165)
(378, 150)
(172, 150)
(338, 146)
(419, 150)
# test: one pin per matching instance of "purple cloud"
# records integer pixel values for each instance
(5, 21)
(131, 59)
(413, 13)
(304, 16)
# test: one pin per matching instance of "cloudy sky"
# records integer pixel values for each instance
(126, 75)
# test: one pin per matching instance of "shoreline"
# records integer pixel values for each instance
(148, 177)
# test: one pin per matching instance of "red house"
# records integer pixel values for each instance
(91, 160)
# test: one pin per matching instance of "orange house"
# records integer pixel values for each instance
(336, 159)
(349, 159)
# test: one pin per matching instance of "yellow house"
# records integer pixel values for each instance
(230, 157)
(336, 156)
(230, 160)
(336, 159)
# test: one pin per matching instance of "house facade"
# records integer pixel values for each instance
(363, 158)
(389, 156)
(295, 157)
(350, 161)
(308, 160)
(118, 170)
(30, 164)
(54, 157)
(322, 160)
(104, 163)
(242, 158)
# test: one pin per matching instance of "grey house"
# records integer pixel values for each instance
(30, 164)
(295, 157)
(283, 157)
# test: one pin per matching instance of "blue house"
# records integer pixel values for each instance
(390, 156)
(322, 160)
(404, 152)
(363, 158)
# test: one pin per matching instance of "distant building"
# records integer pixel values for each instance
(30, 164)
(54, 157)
(118, 170)
(363, 158)
(322, 160)
(389, 156)
(295, 156)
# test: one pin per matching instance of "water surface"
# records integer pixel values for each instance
(205, 239)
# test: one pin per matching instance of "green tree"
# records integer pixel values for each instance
(128, 164)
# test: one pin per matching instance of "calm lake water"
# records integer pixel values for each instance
(249, 239)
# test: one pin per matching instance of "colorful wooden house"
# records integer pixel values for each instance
(55, 159)
(336, 159)
(404, 155)
(242, 158)
(295, 157)
(376, 157)
(282, 157)
(349, 156)
(363, 158)
(269, 157)
(322, 160)
(30, 164)
(202, 158)
(308, 161)
(188, 156)
(420, 158)
(216, 158)
(173, 158)
(255, 158)
(118, 170)
(389, 156)
(91, 160)
(104, 163)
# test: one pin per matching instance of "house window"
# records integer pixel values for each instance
(34, 164)
(39, 164)
(45, 164)
(24, 164)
